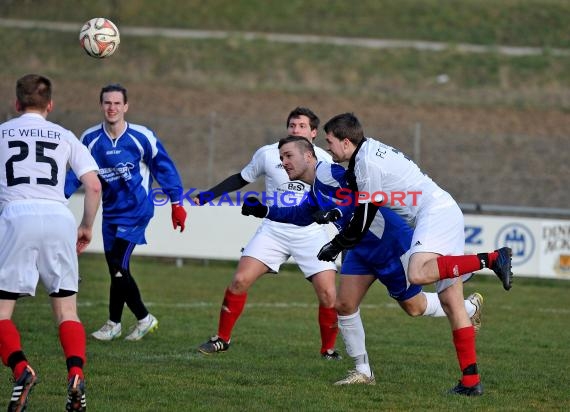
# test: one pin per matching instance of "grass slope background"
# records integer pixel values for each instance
(496, 132)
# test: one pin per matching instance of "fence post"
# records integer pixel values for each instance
(211, 149)
(417, 143)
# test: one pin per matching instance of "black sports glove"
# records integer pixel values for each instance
(325, 216)
(330, 251)
(253, 207)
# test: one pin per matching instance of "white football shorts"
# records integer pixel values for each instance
(440, 228)
(274, 243)
(37, 242)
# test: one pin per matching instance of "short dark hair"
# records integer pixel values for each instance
(299, 111)
(301, 142)
(345, 126)
(114, 87)
(33, 91)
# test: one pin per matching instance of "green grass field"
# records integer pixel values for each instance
(274, 363)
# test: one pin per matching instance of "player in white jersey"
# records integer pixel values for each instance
(381, 255)
(383, 176)
(39, 240)
(275, 242)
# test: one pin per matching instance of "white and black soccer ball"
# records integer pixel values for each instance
(99, 37)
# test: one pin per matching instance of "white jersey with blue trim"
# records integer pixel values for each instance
(383, 173)
(388, 236)
(279, 190)
(34, 154)
(127, 166)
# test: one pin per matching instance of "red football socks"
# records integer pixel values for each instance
(74, 342)
(232, 307)
(454, 266)
(464, 341)
(492, 256)
(11, 348)
(328, 324)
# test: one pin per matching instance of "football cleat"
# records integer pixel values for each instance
(214, 345)
(109, 331)
(459, 389)
(331, 354)
(144, 326)
(21, 390)
(477, 300)
(356, 378)
(76, 401)
(502, 266)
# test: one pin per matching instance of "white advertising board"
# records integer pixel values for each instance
(541, 247)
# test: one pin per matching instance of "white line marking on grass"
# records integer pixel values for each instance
(201, 304)
(284, 305)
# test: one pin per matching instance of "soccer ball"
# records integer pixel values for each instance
(99, 37)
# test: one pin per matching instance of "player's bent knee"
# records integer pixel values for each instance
(239, 286)
(416, 278)
(413, 312)
(344, 308)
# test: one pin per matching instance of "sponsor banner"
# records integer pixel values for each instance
(555, 250)
(541, 247)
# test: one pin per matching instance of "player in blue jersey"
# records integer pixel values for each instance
(129, 157)
(382, 254)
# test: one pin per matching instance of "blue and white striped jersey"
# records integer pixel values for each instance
(389, 235)
(127, 166)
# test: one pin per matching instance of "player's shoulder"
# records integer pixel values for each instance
(142, 134)
(139, 128)
(322, 154)
(65, 134)
(91, 132)
(267, 150)
(10, 123)
(373, 149)
(330, 173)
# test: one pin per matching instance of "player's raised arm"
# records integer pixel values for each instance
(230, 184)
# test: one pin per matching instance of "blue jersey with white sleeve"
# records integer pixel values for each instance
(383, 251)
(127, 167)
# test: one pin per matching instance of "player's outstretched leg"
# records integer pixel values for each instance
(502, 266)
(477, 300)
(76, 401)
(21, 390)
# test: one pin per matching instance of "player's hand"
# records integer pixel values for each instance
(84, 236)
(178, 217)
(203, 197)
(326, 216)
(330, 251)
(253, 207)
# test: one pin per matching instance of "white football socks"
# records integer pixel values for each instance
(354, 338)
(434, 309)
